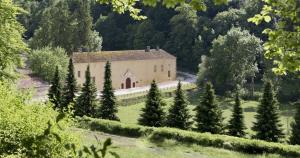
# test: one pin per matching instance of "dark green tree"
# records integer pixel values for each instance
(70, 88)
(179, 116)
(236, 125)
(267, 125)
(108, 108)
(54, 93)
(153, 113)
(87, 101)
(295, 138)
(208, 115)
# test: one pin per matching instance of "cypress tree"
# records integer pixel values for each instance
(236, 125)
(267, 125)
(153, 114)
(87, 100)
(208, 115)
(295, 138)
(54, 93)
(70, 88)
(179, 116)
(108, 108)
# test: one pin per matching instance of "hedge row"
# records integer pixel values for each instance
(190, 137)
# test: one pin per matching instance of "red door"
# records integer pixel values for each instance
(128, 83)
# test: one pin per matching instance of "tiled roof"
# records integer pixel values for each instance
(123, 55)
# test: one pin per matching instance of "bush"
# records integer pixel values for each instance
(31, 130)
(190, 137)
(43, 61)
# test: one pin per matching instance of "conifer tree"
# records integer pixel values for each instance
(179, 116)
(87, 101)
(153, 113)
(70, 87)
(208, 115)
(236, 125)
(108, 108)
(54, 93)
(295, 138)
(267, 125)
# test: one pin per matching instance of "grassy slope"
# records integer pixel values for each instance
(130, 114)
(142, 148)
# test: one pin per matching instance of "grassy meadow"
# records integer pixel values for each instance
(129, 114)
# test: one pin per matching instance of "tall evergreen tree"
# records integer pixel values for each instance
(153, 113)
(208, 115)
(87, 101)
(236, 125)
(295, 138)
(108, 108)
(267, 125)
(70, 87)
(179, 116)
(54, 93)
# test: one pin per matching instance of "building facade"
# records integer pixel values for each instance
(130, 68)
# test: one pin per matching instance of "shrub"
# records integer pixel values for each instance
(189, 137)
(43, 61)
(30, 130)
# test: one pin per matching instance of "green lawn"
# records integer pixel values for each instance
(130, 114)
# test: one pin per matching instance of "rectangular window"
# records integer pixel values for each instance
(155, 68)
(94, 79)
(169, 73)
(78, 73)
(162, 68)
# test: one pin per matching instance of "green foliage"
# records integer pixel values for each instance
(208, 114)
(267, 125)
(295, 138)
(283, 40)
(233, 59)
(87, 101)
(42, 61)
(183, 36)
(179, 116)
(75, 29)
(70, 87)
(130, 6)
(153, 114)
(108, 108)
(31, 130)
(11, 42)
(236, 125)
(55, 90)
(189, 137)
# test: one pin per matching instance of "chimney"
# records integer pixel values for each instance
(157, 48)
(147, 49)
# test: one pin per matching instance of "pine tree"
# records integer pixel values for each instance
(208, 115)
(267, 125)
(295, 138)
(70, 88)
(108, 108)
(179, 116)
(236, 125)
(153, 114)
(87, 101)
(54, 93)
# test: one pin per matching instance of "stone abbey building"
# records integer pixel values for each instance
(130, 68)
